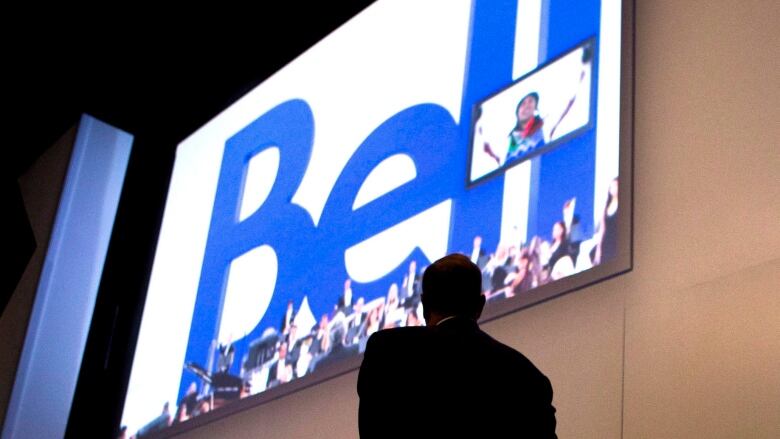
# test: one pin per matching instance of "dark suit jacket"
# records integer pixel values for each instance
(452, 379)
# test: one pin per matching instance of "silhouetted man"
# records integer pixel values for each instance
(450, 379)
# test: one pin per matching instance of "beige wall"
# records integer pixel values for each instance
(688, 343)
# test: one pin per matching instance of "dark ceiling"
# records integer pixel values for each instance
(143, 72)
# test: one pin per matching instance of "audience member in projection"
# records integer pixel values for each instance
(344, 304)
(527, 133)
(607, 234)
(187, 405)
(281, 372)
(478, 254)
(304, 357)
(322, 336)
(559, 249)
(523, 279)
(340, 348)
(470, 384)
(374, 319)
(393, 313)
(355, 321)
(496, 269)
(414, 316)
(293, 344)
(287, 319)
(410, 287)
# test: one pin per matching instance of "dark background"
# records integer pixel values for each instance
(144, 71)
(158, 75)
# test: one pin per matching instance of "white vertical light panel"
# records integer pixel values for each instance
(517, 180)
(65, 299)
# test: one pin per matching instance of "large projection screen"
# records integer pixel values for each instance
(299, 220)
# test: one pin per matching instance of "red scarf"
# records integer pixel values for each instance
(532, 126)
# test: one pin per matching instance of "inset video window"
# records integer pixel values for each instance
(536, 113)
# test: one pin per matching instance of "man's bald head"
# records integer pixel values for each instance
(452, 286)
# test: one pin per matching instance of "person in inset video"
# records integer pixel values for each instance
(527, 133)
(449, 378)
(607, 234)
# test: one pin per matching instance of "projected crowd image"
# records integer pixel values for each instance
(302, 343)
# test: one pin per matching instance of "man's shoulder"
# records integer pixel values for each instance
(405, 338)
(404, 333)
(512, 358)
